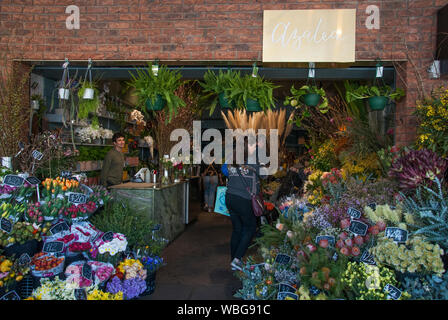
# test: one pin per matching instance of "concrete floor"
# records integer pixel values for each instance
(198, 263)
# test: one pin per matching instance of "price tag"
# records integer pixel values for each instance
(108, 236)
(284, 287)
(77, 198)
(6, 225)
(80, 294)
(24, 259)
(372, 206)
(282, 259)
(285, 295)
(11, 295)
(87, 271)
(331, 239)
(314, 291)
(13, 180)
(66, 174)
(59, 227)
(53, 247)
(355, 214)
(392, 292)
(358, 227)
(396, 234)
(33, 181)
(37, 155)
(367, 258)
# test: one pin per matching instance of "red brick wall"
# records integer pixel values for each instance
(213, 30)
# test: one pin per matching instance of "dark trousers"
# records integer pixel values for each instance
(244, 224)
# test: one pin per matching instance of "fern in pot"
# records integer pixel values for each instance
(156, 90)
(217, 87)
(255, 93)
(88, 96)
(377, 96)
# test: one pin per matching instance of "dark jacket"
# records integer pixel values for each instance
(252, 177)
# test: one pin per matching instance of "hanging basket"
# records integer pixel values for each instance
(311, 99)
(253, 105)
(377, 103)
(224, 102)
(88, 94)
(158, 104)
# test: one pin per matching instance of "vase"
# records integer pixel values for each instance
(377, 103)
(158, 104)
(176, 176)
(253, 105)
(311, 99)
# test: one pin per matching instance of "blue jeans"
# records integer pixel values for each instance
(210, 184)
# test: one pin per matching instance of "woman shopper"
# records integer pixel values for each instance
(210, 176)
(239, 204)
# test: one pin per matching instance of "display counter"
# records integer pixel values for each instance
(167, 205)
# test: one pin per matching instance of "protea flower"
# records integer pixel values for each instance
(418, 167)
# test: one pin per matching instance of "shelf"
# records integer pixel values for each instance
(89, 144)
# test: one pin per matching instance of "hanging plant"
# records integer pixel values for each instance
(217, 86)
(154, 91)
(88, 96)
(377, 96)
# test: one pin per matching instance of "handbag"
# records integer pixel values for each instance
(256, 199)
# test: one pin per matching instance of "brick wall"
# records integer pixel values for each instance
(214, 30)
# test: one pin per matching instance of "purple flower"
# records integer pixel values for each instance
(131, 288)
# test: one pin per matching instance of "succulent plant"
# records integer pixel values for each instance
(418, 167)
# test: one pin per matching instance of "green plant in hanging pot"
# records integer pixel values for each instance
(217, 87)
(154, 90)
(254, 93)
(309, 95)
(377, 96)
(88, 96)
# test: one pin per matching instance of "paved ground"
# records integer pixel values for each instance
(198, 263)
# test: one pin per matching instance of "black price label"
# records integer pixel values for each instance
(331, 240)
(24, 259)
(314, 291)
(392, 292)
(284, 295)
(37, 155)
(33, 181)
(13, 180)
(367, 258)
(396, 234)
(77, 198)
(87, 271)
(282, 259)
(59, 227)
(355, 214)
(6, 225)
(80, 294)
(53, 247)
(284, 287)
(108, 236)
(11, 295)
(358, 227)
(372, 206)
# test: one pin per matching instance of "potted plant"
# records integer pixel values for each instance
(156, 91)
(88, 99)
(218, 86)
(308, 95)
(377, 96)
(253, 92)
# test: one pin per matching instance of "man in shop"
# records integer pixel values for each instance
(113, 164)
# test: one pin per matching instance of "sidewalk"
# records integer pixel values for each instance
(198, 263)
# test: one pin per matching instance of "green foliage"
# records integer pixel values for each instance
(431, 212)
(87, 105)
(429, 287)
(148, 86)
(364, 92)
(255, 88)
(92, 153)
(215, 84)
(355, 108)
(118, 216)
(297, 95)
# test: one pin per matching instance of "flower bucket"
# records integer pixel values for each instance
(377, 103)
(150, 284)
(158, 104)
(224, 102)
(253, 105)
(64, 93)
(88, 94)
(311, 99)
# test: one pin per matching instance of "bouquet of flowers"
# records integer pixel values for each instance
(109, 251)
(59, 186)
(11, 272)
(101, 272)
(130, 279)
(57, 289)
(101, 196)
(6, 191)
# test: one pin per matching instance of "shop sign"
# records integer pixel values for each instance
(309, 35)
